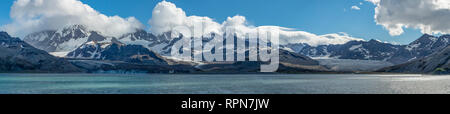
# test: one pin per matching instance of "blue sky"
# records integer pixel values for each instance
(314, 16)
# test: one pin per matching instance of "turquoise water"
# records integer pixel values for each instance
(221, 84)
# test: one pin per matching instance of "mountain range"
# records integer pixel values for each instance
(84, 50)
(144, 52)
(376, 50)
(436, 63)
(72, 37)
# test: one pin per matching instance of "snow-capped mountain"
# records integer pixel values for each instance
(18, 56)
(72, 37)
(148, 40)
(362, 50)
(63, 40)
(375, 50)
(438, 63)
(428, 44)
(89, 50)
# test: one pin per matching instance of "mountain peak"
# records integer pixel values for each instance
(4, 34)
(425, 39)
(374, 40)
(426, 36)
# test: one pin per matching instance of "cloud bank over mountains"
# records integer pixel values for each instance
(30, 16)
(430, 16)
(167, 15)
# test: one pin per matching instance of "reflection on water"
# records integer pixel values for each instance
(221, 84)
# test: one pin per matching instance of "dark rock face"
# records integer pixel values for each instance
(131, 53)
(94, 36)
(18, 56)
(375, 50)
(295, 58)
(117, 52)
(437, 63)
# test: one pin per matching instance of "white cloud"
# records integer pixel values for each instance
(355, 8)
(37, 15)
(373, 1)
(430, 16)
(166, 16)
(313, 39)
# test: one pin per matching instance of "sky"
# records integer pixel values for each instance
(354, 17)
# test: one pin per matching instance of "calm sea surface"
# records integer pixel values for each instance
(221, 84)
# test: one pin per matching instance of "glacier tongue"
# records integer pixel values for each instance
(59, 54)
(348, 65)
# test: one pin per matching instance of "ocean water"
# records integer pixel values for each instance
(222, 84)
